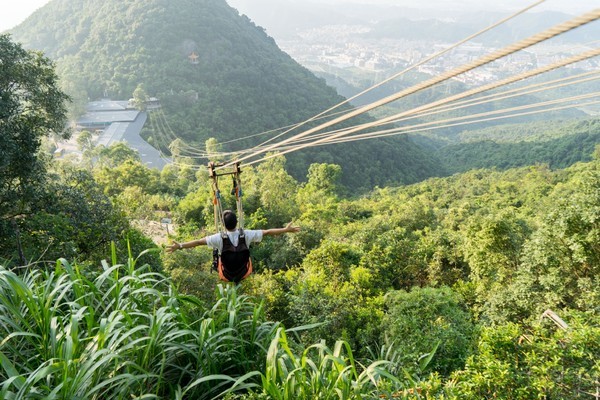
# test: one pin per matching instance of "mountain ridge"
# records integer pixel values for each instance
(241, 84)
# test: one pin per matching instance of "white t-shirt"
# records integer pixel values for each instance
(216, 241)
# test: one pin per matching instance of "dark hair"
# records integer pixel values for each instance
(229, 219)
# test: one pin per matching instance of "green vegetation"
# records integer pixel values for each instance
(451, 288)
(32, 107)
(557, 144)
(126, 332)
(48, 211)
(241, 84)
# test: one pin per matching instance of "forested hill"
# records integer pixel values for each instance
(240, 84)
(555, 143)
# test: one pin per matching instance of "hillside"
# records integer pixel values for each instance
(556, 143)
(214, 71)
(444, 22)
(490, 278)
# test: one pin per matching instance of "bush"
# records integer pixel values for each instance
(416, 321)
(542, 362)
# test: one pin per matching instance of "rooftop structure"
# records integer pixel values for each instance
(121, 124)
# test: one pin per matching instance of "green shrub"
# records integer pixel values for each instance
(543, 362)
(417, 321)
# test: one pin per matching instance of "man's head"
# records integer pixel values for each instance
(229, 219)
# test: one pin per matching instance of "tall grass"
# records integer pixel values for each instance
(126, 332)
(322, 373)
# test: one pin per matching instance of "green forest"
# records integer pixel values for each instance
(483, 284)
(240, 84)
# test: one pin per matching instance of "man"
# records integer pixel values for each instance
(233, 247)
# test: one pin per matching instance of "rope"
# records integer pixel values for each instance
(237, 189)
(393, 132)
(479, 101)
(412, 129)
(591, 53)
(465, 118)
(436, 55)
(540, 37)
(217, 206)
(533, 88)
(402, 130)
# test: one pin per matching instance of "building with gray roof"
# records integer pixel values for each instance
(118, 123)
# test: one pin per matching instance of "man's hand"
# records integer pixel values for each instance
(173, 247)
(291, 229)
(279, 231)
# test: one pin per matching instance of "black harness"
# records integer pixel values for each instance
(234, 263)
(235, 260)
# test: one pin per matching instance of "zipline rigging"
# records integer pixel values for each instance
(329, 137)
(326, 113)
(312, 137)
(393, 131)
(535, 88)
(412, 67)
(413, 129)
(584, 77)
(521, 91)
(537, 38)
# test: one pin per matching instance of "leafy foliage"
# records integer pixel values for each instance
(543, 361)
(429, 320)
(32, 107)
(126, 331)
(558, 144)
(240, 85)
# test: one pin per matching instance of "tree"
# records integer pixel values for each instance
(418, 320)
(84, 141)
(277, 191)
(561, 261)
(32, 106)
(115, 155)
(140, 97)
(213, 148)
(541, 362)
(323, 181)
(492, 249)
(130, 173)
(320, 293)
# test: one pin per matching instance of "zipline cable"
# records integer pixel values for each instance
(436, 55)
(525, 75)
(467, 117)
(392, 133)
(414, 129)
(595, 102)
(474, 102)
(533, 88)
(535, 39)
(591, 53)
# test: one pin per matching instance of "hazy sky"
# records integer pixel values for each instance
(13, 12)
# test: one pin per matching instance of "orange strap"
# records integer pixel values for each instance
(222, 277)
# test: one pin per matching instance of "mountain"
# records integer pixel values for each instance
(429, 21)
(215, 73)
(439, 30)
(553, 142)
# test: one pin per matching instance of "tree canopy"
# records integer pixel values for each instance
(32, 106)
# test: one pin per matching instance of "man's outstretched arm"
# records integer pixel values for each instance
(186, 245)
(279, 231)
